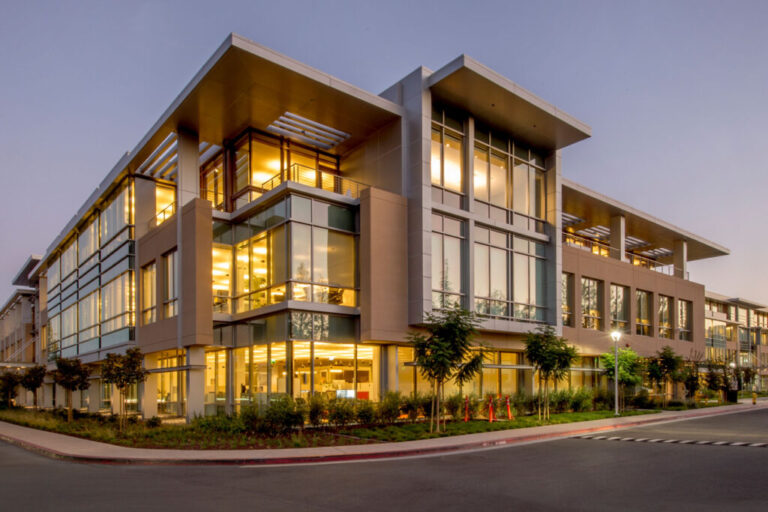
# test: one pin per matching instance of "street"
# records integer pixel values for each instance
(570, 474)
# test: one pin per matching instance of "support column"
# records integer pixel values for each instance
(554, 264)
(114, 400)
(47, 395)
(680, 259)
(148, 389)
(618, 237)
(195, 382)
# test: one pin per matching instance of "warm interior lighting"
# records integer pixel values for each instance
(261, 177)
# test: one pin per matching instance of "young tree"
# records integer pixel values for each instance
(444, 352)
(124, 371)
(72, 375)
(668, 365)
(713, 379)
(630, 370)
(689, 376)
(9, 381)
(551, 357)
(32, 379)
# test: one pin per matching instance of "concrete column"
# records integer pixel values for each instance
(47, 396)
(148, 389)
(188, 174)
(553, 179)
(195, 382)
(618, 237)
(115, 400)
(94, 395)
(680, 259)
(144, 205)
(392, 383)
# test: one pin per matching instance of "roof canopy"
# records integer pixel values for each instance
(505, 105)
(587, 210)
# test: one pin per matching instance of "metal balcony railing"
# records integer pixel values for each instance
(315, 178)
(163, 215)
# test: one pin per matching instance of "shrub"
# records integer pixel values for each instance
(153, 422)
(560, 400)
(389, 407)
(454, 405)
(675, 403)
(250, 418)
(281, 417)
(411, 406)
(602, 400)
(520, 403)
(474, 406)
(341, 411)
(219, 424)
(364, 412)
(581, 400)
(317, 409)
(426, 403)
(641, 400)
(497, 405)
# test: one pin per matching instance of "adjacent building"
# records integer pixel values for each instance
(280, 231)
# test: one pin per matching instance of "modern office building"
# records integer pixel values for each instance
(278, 230)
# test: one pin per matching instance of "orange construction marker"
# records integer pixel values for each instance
(509, 410)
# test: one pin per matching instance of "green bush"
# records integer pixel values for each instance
(219, 424)
(454, 405)
(318, 409)
(602, 400)
(281, 417)
(153, 422)
(341, 412)
(520, 403)
(411, 406)
(560, 400)
(389, 407)
(426, 404)
(364, 412)
(675, 403)
(641, 400)
(581, 400)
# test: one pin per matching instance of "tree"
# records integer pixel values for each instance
(630, 368)
(72, 375)
(664, 368)
(9, 381)
(32, 379)
(123, 371)
(748, 376)
(713, 379)
(444, 352)
(689, 376)
(551, 357)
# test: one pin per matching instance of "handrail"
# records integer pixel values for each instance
(586, 244)
(315, 178)
(163, 215)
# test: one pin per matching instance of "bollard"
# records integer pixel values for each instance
(754, 398)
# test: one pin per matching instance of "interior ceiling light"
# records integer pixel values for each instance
(307, 131)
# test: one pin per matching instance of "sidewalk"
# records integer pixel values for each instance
(81, 450)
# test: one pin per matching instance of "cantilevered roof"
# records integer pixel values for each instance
(22, 277)
(245, 84)
(736, 301)
(505, 105)
(587, 209)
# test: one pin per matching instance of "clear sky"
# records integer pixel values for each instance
(676, 93)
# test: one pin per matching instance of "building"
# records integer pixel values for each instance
(280, 231)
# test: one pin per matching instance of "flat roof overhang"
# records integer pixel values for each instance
(596, 209)
(247, 85)
(505, 105)
(22, 277)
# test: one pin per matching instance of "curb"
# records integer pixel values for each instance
(395, 453)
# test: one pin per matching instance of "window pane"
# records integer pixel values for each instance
(520, 188)
(481, 174)
(499, 180)
(301, 246)
(265, 161)
(435, 162)
(452, 168)
(452, 258)
(333, 258)
(499, 274)
(482, 275)
(437, 261)
(520, 281)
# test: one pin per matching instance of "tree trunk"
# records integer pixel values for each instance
(34, 398)
(437, 398)
(432, 412)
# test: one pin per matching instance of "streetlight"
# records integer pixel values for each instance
(616, 336)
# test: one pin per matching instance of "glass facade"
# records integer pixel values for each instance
(665, 317)
(148, 293)
(566, 299)
(447, 258)
(447, 159)
(90, 281)
(684, 320)
(509, 275)
(171, 287)
(591, 303)
(619, 308)
(644, 322)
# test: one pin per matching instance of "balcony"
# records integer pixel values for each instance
(604, 250)
(316, 179)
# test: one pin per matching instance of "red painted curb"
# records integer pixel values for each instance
(250, 461)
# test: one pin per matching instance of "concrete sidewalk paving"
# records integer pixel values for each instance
(82, 450)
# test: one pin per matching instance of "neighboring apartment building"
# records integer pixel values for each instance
(281, 231)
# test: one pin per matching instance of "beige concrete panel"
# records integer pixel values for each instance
(94, 395)
(196, 263)
(377, 162)
(383, 266)
(148, 388)
(144, 205)
(195, 382)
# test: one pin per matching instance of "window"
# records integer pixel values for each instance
(165, 203)
(447, 275)
(213, 183)
(665, 317)
(492, 261)
(591, 303)
(171, 288)
(619, 308)
(88, 241)
(643, 325)
(53, 275)
(566, 300)
(117, 215)
(148, 293)
(68, 260)
(447, 166)
(89, 317)
(69, 327)
(684, 325)
(117, 303)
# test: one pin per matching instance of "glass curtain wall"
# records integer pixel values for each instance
(447, 159)
(665, 317)
(566, 300)
(215, 382)
(509, 181)
(684, 323)
(591, 303)
(619, 308)
(644, 301)
(447, 257)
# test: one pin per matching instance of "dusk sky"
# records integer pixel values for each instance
(676, 94)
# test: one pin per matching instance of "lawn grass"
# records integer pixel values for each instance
(196, 437)
(414, 431)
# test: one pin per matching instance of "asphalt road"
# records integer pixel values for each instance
(571, 474)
